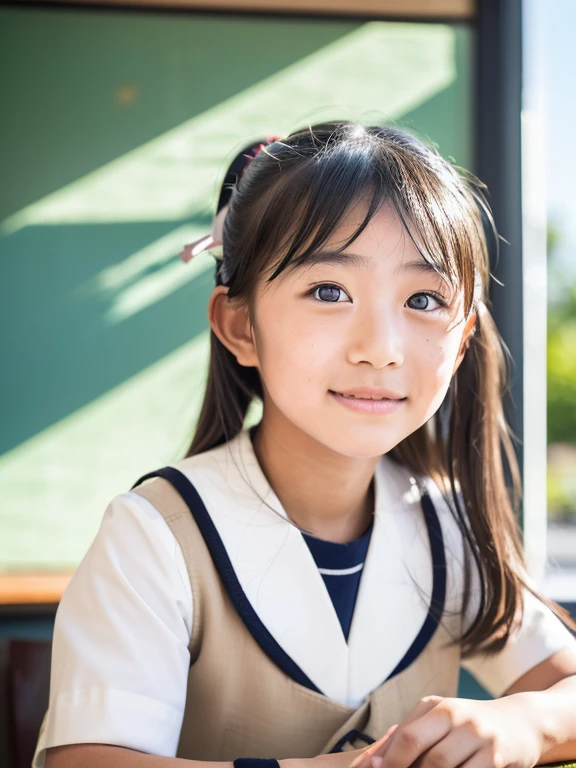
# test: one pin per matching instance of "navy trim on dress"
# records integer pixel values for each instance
(438, 587)
(252, 621)
(217, 550)
(349, 738)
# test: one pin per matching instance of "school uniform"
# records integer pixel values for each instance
(202, 624)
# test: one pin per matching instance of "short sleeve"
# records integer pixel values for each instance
(120, 655)
(540, 635)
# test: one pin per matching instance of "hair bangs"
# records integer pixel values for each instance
(444, 224)
(311, 189)
(328, 188)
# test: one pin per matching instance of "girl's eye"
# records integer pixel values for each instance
(422, 301)
(328, 293)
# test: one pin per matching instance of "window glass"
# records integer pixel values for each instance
(558, 64)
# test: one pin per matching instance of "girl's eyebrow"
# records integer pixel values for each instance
(346, 259)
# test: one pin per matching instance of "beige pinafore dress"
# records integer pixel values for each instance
(246, 697)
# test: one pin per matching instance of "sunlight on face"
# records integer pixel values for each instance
(375, 320)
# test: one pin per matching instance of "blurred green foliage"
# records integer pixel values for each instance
(562, 371)
(561, 375)
(561, 345)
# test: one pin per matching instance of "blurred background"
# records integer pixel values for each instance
(558, 67)
(117, 124)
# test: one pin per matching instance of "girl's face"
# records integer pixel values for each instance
(380, 319)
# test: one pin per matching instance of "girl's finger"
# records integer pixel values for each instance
(411, 741)
(422, 708)
(380, 747)
(373, 748)
(450, 752)
(419, 711)
(480, 759)
(364, 758)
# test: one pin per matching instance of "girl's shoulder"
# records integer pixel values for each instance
(129, 601)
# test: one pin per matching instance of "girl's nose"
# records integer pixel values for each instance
(377, 339)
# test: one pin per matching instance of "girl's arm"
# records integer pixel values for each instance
(120, 655)
(523, 730)
(550, 689)
(107, 756)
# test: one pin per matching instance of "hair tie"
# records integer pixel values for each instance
(234, 173)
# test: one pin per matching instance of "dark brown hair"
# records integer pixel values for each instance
(287, 204)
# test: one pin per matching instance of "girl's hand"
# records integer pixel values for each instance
(446, 733)
(335, 759)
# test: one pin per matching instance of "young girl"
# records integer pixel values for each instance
(305, 591)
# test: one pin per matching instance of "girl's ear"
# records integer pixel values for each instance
(469, 331)
(231, 323)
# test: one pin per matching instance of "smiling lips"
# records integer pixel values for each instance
(371, 393)
(368, 400)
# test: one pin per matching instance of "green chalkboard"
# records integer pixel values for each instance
(116, 129)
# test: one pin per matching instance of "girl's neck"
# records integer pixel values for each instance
(325, 493)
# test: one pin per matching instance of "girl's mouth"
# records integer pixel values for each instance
(380, 405)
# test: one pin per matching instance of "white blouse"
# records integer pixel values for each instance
(120, 648)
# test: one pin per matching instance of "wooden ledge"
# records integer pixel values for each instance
(456, 10)
(33, 589)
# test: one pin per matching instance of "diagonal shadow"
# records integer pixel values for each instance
(126, 84)
(446, 116)
(64, 353)
(66, 343)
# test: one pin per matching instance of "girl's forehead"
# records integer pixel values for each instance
(384, 236)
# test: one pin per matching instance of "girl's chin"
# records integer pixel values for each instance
(355, 442)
